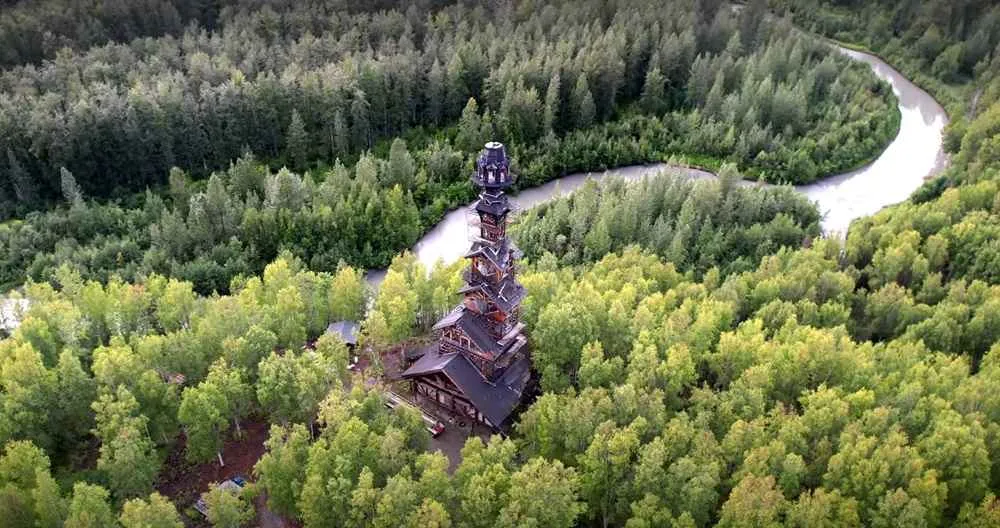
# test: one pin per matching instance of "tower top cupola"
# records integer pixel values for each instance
(493, 167)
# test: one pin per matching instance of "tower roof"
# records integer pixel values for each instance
(497, 253)
(472, 325)
(498, 206)
(507, 294)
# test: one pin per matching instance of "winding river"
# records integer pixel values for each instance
(914, 155)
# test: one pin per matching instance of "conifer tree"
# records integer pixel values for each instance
(652, 98)
(553, 104)
(583, 102)
(297, 142)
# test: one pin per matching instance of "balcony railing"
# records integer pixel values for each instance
(496, 182)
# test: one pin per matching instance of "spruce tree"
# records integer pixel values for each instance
(297, 142)
(651, 100)
(552, 102)
(584, 103)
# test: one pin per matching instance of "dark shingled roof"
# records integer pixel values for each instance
(496, 253)
(431, 362)
(493, 204)
(507, 294)
(347, 330)
(473, 325)
(495, 400)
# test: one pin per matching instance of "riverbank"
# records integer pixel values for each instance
(915, 154)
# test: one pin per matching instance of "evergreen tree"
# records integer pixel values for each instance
(470, 128)
(402, 167)
(70, 189)
(341, 135)
(583, 102)
(437, 92)
(361, 135)
(25, 188)
(297, 142)
(652, 99)
(553, 103)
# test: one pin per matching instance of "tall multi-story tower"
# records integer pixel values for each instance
(479, 365)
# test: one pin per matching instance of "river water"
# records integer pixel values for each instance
(915, 154)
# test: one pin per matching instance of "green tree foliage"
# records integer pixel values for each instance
(350, 458)
(157, 512)
(204, 413)
(789, 109)
(291, 385)
(281, 471)
(541, 493)
(583, 103)
(297, 142)
(38, 31)
(29, 496)
(89, 507)
(347, 294)
(128, 455)
(402, 168)
(754, 502)
(410, 299)
(697, 225)
(788, 416)
(936, 44)
(227, 508)
(846, 383)
(29, 394)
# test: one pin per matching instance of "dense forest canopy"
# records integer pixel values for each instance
(696, 225)
(633, 87)
(845, 383)
(301, 83)
(947, 42)
(31, 31)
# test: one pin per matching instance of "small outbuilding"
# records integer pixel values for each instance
(346, 330)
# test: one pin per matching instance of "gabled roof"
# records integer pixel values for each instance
(472, 325)
(506, 294)
(497, 253)
(493, 204)
(495, 400)
(347, 330)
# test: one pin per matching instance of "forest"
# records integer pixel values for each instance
(729, 87)
(118, 116)
(696, 225)
(705, 356)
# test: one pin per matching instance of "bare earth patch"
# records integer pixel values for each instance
(183, 482)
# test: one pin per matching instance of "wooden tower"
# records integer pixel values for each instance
(479, 366)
